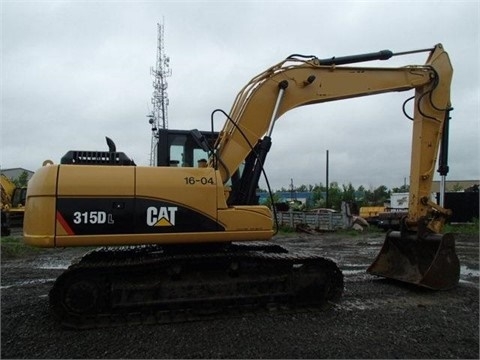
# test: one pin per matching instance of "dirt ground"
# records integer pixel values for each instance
(376, 318)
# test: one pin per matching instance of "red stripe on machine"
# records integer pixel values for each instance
(64, 224)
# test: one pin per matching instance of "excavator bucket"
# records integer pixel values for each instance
(430, 262)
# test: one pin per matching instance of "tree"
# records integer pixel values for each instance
(360, 196)
(348, 193)
(380, 195)
(318, 195)
(268, 201)
(401, 189)
(335, 196)
(376, 197)
(457, 187)
(21, 180)
(302, 188)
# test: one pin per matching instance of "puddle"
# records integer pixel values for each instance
(354, 305)
(467, 282)
(52, 264)
(470, 272)
(353, 272)
(351, 269)
(28, 282)
(53, 267)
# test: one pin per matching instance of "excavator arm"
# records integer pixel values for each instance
(296, 82)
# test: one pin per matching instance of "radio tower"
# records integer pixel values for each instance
(158, 118)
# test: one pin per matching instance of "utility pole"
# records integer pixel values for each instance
(158, 118)
(293, 195)
(326, 197)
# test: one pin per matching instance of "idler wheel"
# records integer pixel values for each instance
(82, 297)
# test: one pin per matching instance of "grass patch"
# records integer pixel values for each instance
(349, 232)
(352, 232)
(13, 247)
(470, 228)
(286, 230)
(283, 229)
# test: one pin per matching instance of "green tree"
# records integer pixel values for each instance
(457, 187)
(318, 195)
(382, 194)
(376, 197)
(401, 189)
(268, 201)
(21, 180)
(360, 196)
(302, 188)
(348, 193)
(335, 195)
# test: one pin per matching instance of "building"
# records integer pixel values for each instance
(304, 197)
(454, 185)
(14, 173)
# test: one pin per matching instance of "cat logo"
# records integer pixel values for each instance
(162, 216)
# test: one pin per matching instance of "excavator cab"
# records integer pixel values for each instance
(181, 148)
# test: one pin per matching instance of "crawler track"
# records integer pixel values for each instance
(152, 284)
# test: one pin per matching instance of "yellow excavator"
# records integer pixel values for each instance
(178, 242)
(12, 204)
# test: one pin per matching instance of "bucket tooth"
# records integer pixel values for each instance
(430, 261)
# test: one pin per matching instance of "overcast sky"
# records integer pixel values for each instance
(74, 72)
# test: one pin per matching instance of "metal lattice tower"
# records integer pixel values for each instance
(158, 118)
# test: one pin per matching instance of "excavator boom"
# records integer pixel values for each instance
(293, 83)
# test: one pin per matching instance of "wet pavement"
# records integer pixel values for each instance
(376, 317)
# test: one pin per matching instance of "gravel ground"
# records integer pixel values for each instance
(376, 318)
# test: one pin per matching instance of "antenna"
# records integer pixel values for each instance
(158, 118)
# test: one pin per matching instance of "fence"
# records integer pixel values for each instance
(324, 221)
